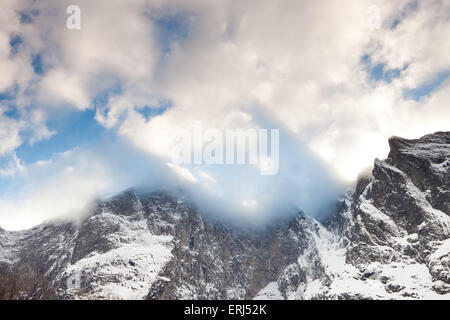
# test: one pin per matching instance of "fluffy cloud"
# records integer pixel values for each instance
(9, 134)
(314, 69)
(49, 189)
(68, 184)
(303, 63)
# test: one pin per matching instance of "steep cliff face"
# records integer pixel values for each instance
(391, 239)
(152, 246)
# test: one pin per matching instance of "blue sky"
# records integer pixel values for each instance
(134, 74)
(77, 129)
(80, 128)
(428, 87)
(379, 71)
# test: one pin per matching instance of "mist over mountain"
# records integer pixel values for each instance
(226, 149)
(388, 239)
(91, 94)
(235, 193)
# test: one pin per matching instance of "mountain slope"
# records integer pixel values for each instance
(391, 239)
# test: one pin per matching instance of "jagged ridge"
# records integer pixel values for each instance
(390, 240)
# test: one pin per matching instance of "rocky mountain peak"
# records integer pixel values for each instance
(390, 239)
(434, 147)
(426, 161)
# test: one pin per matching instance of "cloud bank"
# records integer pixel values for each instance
(336, 87)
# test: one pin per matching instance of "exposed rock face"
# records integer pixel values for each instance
(213, 262)
(394, 231)
(160, 249)
(390, 240)
(426, 162)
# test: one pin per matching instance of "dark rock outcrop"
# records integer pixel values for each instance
(390, 238)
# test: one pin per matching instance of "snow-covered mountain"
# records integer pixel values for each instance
(390, 238)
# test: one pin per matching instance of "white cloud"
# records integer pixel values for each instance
(9, 134)
(183, 173)
(15, 69)
(297, 62)
(11, 165)
(49, 190)
(302, 62)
